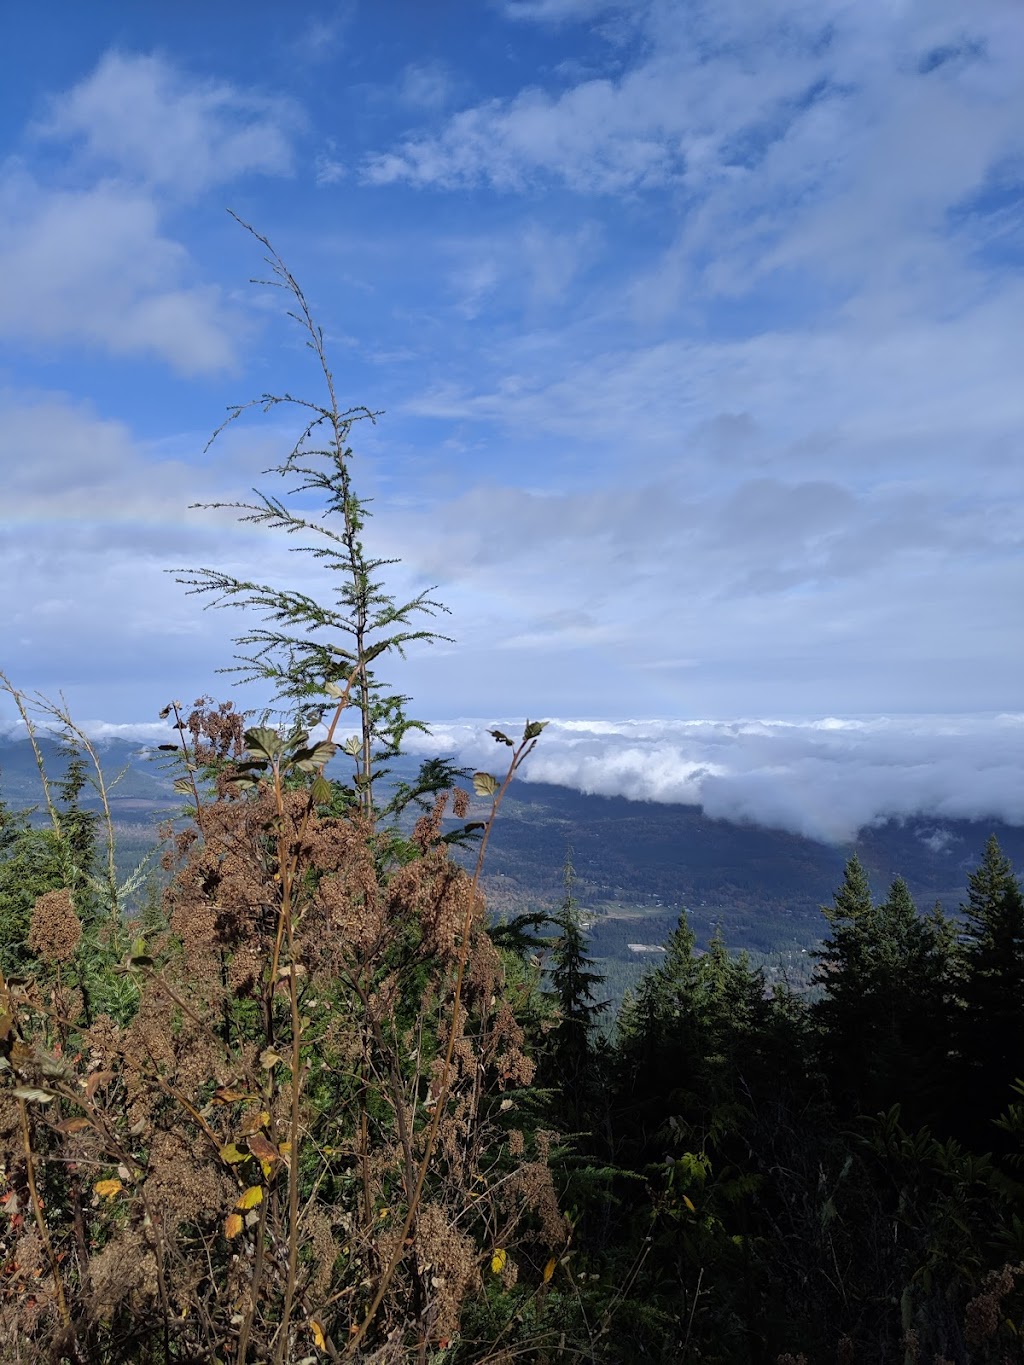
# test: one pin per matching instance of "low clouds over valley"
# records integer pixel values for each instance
(824, 779)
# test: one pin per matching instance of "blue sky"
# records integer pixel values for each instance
(696, 328)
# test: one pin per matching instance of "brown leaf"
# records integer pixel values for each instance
(97, 1079)
(73, 1125)
(262, 1148)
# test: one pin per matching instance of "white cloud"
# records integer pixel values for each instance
(329, 170)
(323, 35)
(84, 253)
(151, 732)
(672, 113)
(584, 137)
(530, 264)
(94, 266)
(425, 85)
(824, 779)
(805, 520)
(141, 118)
(94, 518)
(832, 138)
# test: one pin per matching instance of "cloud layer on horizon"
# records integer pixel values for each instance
(825, 779)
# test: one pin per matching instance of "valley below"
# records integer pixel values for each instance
(637, 864)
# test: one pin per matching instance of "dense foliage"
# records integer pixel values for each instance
(307, 1103)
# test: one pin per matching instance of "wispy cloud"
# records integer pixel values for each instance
(566, 11)
(83, 247)
(140, 117)
(425, 86)
(94, 266)
(834, 138)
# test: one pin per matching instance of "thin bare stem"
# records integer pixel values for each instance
(21, 702)
(37, 1210)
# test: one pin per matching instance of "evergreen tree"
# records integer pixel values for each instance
(991, 1033)
(884, 1015)
(317, 652)
(844, 1013)
(912, 1011)
(78, 828)
(689, 1046)
(571, 1063)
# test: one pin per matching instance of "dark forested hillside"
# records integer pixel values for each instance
(764, 885)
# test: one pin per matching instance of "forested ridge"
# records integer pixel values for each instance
(303, 1100)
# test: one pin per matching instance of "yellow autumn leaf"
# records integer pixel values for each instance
(250, 1197)
(549, 1269)
(266, 1168)
(232, 1154)
(256, 1122)
(232, 1225)
(689, 1203)
(319, 1340)
(498, 1261)
(107, 1188)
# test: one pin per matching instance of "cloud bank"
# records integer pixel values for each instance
(824, 779)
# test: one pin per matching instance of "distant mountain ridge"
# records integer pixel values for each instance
(143, 780)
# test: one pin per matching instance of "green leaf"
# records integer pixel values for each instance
(485, 784)
(263, 740)
(533, 728)
(501, 738)
(322, 791)
(334, 690)
(183, 786)
(310, 760)
(352, 746)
